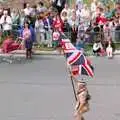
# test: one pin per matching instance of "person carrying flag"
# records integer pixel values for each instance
(83, 97)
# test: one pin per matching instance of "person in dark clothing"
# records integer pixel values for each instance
(59, 5)
(96, 30)
(74, 31)
(117, 33)
(66, 28)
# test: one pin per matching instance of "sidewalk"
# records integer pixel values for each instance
(38, 52)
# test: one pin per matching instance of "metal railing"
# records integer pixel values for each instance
(91, 36)
(97, 36)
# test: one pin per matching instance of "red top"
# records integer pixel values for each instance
(101, 20)
(58, 24)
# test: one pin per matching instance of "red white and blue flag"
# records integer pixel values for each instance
(76, 59)
(82, 69)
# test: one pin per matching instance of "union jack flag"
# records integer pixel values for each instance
(79, 63)
(76, 59)
(82, 67)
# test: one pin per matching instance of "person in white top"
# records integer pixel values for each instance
(6, 22)
(94, 6)
(28, 10)
(80, 4)
(85, 16)
(40, 31)
(109, 50)
(85, 12)
(97, 47)
(67, 10)
(41, 7)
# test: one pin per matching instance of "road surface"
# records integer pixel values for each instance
(41, 90)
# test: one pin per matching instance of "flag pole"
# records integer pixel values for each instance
(73, 87)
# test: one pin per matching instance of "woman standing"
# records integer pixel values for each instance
(58, 23)
(27, 40)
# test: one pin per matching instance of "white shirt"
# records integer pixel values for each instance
(41, 9)
(85, 13)
(28, 11)
(68, 11)
(39, 26)
(78, 13)
(7, 25)
(59, 3)
(96, 46)
(93, 7)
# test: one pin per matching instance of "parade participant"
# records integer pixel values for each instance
(82, 98)
(82, 104)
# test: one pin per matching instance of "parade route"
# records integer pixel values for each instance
(41, 89)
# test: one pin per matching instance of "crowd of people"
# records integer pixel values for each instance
(81, 23)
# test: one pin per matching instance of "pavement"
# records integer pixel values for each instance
(41, 90)
(38, 52)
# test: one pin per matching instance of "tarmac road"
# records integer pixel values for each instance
(41, 90)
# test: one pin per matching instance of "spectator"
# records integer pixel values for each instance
(56, 36)
(58, 23)
(22, 18)
(66, 10)
(41, 7)
(117, 31)
(6, 23)
(106, 30)
(81, 31)
(67, 28)
(28, 10)
(64, 16)
(15, 18)
(28, 42)
(108, 13)
(94, 5)
(39, 30)
(112, 30)
(96, 31)
(97, 48)
(80, 44)
(74, 27)
(34, 10)
(85, 16)
(59, 4)
(48, 29)
(79, 4)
